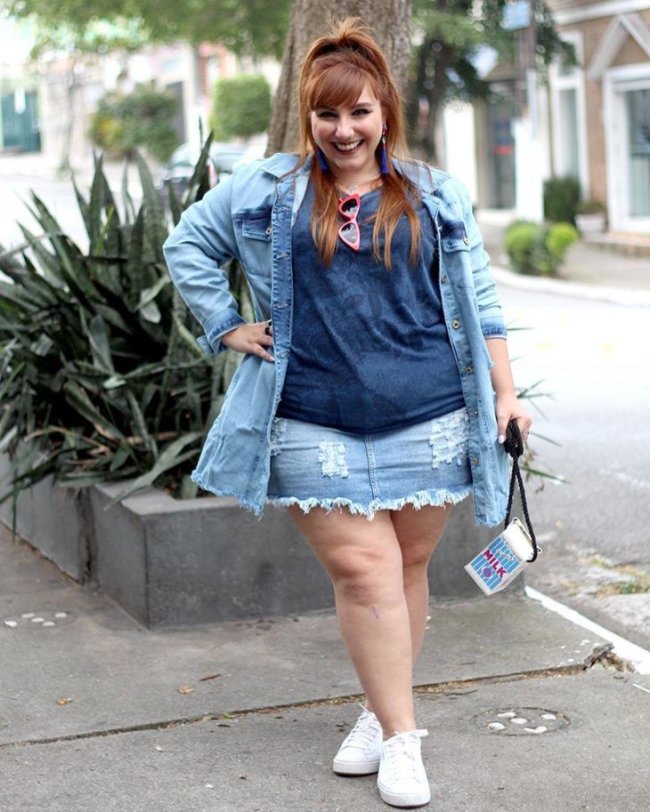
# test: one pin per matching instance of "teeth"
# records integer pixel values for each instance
(348, 147)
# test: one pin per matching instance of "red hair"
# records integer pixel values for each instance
(335, 72)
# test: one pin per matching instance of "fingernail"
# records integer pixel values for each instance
(502, 438)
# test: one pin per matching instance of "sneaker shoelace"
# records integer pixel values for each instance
(401, 754)
(364, 731)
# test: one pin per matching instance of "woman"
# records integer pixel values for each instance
(376, 388)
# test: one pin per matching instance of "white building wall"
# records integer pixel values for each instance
(459, 138)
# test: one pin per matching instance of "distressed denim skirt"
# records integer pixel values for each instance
(316, 466)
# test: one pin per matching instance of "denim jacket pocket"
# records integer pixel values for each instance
(457, 240)
(256, 225)
(254, 229)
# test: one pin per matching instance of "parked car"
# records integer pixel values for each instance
(178, 170)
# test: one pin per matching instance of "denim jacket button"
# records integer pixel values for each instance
(466, 239)
(469, 370)
(474, 460)
(268, 230)
(455, 324)
(443, 278)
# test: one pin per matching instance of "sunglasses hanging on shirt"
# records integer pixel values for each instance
(349, 232)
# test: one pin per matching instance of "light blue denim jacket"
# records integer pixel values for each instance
(249, 217)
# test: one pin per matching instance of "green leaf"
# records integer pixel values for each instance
(100, 343)
(149, 294)
(156, 230)
(199, 175)
(84, 208)
(127, 200)
(80, 401)
(175, 206)
(169, 458)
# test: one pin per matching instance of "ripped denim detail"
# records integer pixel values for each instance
(332, 459)
(417, 500)
(278, 431)
(449, 439)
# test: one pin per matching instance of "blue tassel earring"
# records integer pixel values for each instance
(321, 159)
(384, 152)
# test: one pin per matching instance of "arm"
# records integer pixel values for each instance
(507, 405)
(492, 326)
(197, 253)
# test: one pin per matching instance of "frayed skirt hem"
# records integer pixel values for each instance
(417, 500)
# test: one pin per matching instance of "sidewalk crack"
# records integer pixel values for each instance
(599, 654)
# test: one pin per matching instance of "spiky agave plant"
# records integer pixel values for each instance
(101, 377)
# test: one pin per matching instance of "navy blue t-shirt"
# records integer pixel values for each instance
(369, 349)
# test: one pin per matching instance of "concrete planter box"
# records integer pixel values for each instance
(170, 562)
(591, 223)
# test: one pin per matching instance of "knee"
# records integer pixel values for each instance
(416, 557)
(367, 579)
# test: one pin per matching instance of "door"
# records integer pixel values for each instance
(20, 128)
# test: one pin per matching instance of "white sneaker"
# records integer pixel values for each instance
(359, 754)
(402, 780)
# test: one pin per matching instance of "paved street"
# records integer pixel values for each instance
(592, 358)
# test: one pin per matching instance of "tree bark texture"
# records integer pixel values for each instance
(389, 23)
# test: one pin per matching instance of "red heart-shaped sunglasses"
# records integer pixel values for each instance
(349, 232)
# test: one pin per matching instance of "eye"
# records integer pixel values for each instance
(324, 114)
(362, 111)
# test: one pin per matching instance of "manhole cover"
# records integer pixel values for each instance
(521, 721)
(45, 619)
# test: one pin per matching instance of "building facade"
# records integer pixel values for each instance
(600, 110)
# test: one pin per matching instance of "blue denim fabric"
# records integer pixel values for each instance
(369, 349)
(249, 217)
(422, 464)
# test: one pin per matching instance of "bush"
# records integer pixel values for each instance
(560, 238)
(242, 107)
(538, 249)
(519, 243)
(141, 119)
(561, 197)
(101, 377)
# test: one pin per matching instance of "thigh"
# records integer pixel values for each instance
(419, 531)
(351, 545)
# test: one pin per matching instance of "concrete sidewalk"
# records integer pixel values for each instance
(99, 714)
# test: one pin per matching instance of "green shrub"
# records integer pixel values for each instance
(538, 249)
(101, 377)
(561, 197)
(123, 123)
(242, 107)
(519, 244)
(560, 238)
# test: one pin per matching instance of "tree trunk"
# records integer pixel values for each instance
(434, 58)
(389, 22)
(68, 115)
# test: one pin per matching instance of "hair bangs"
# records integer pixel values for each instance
(338, 84)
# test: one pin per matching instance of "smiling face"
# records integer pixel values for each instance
(348, 134)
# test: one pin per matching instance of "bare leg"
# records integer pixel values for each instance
(418, 533)
(364, 561)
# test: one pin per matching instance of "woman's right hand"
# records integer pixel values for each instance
(251, 338)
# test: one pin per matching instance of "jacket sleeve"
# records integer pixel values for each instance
(489, 304)
(197, 253)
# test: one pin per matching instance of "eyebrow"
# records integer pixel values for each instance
(354, 106)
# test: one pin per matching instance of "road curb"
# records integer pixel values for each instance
(576, 290)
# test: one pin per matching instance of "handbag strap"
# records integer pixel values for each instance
(514, 445)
